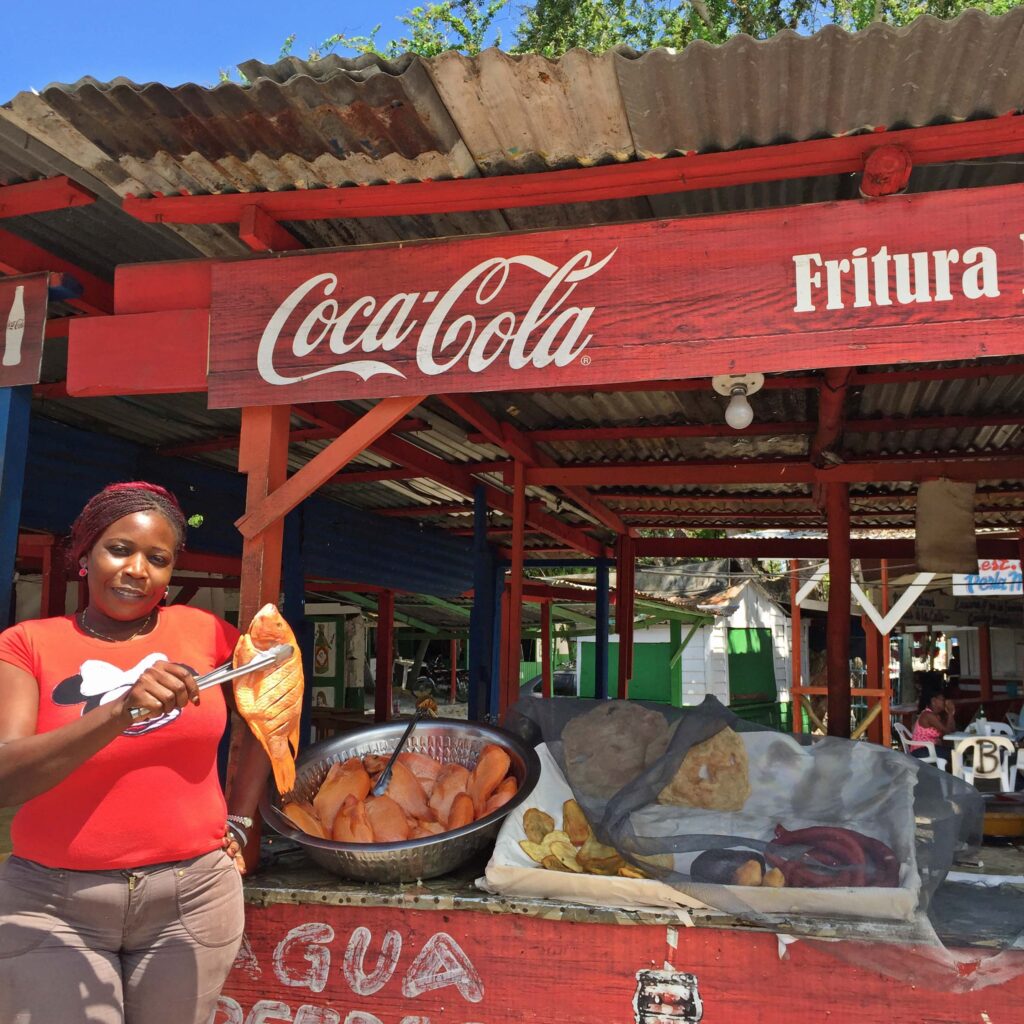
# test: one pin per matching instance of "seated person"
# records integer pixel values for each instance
(934, 721)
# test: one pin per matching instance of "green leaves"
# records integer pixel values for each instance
(551, 27)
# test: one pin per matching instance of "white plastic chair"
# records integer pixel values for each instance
(993, 757)
(1013, 718)
(908, 743)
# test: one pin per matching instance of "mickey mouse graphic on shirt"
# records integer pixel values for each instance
(99, 683)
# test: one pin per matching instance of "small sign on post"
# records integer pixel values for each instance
(22, 322)
(996, 577)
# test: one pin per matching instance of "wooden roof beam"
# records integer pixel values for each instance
(262, 233)
(732, 547)
(519, 445)
(19, 256)
(230, 441)
(1000, 136)
(878, 425)
(458, 478)
(778, 472)
(831, 414)
(352, 442)
(31, 197)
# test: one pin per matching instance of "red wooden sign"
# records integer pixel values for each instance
(308, 964)
(907, 278)
(22, 321)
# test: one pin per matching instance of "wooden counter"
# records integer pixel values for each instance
(320, 950)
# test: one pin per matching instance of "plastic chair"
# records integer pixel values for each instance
(993, 757)
(908, 743)
(1013, 718)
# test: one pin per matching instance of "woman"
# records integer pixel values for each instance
(122, 902)
(934, 720)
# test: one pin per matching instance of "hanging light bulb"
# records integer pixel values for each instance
(737, 386)
(738, 413)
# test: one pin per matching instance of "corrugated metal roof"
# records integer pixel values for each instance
(338, 122)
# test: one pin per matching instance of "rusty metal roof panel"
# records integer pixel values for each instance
(792, 88)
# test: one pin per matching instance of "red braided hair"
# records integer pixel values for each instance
(116, 501)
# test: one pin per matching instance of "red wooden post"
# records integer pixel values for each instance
(796, 655)
(624, 611)
(545, 648)
(837, 506)
(873, 651)
(385, 647)
(263, 457)
(453, 657)
(886, 717)
(55, 579)
(985, 663)
(513, 621)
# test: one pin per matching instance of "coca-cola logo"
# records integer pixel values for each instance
(359, 332)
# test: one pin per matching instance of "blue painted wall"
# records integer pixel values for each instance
(66, 466)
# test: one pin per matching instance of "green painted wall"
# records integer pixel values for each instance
(650, 671)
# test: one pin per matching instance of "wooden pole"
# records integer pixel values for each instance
(15, 405)
(837, 506)
(601, 636)
(873, 656)
(453, 658)
(263, 457)
(545, 648)
(985, 663)
(796, 651)
(385, 655)
(624, 596)
(886, 675)
(55, 579)
(513, 626)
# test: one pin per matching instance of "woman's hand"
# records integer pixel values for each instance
(233, 849)
(162, 688)
(949, 707)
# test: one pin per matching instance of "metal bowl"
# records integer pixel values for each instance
(444, 739)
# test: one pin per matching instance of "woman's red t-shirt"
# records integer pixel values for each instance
(150, 796)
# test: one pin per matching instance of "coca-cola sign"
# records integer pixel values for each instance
(770, 291)
(22, 322)
(362, 333)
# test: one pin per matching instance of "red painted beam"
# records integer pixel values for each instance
(18, 256)
(29, 197)
(996, 137)
(98, 343)
(456, 476)
(755, 472)
(746, 498)
(879, 425)
(519, 446)
(731, 547)
(230, 441)
(262, 233)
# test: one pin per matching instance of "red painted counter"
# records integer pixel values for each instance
(321, 951)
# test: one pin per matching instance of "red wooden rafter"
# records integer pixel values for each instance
(847, 155)
(32, 197)
(519, 446)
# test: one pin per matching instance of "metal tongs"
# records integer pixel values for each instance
(271, 658)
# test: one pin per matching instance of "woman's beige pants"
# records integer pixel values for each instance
(149, 946)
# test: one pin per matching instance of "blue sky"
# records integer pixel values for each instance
(175, 42)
